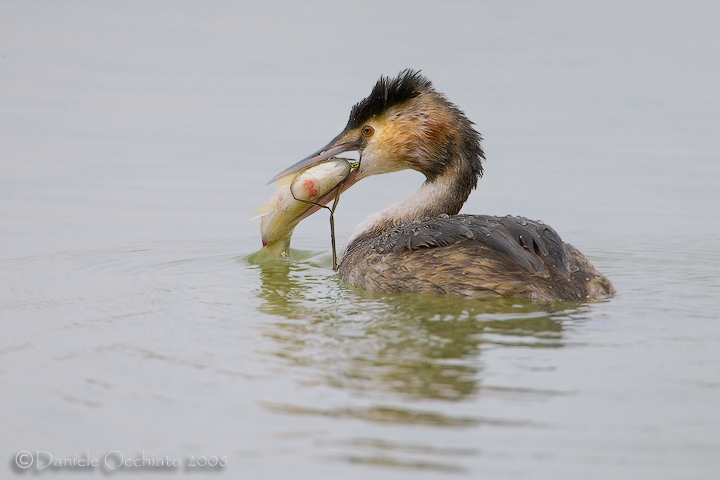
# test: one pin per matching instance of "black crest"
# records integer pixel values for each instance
(387, 93)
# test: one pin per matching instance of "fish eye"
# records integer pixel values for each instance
(368, 131)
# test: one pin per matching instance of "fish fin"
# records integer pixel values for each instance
(264, 210)
(286, 180)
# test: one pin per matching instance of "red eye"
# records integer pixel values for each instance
(368, 131)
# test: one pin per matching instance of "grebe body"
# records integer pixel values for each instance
(421, 244)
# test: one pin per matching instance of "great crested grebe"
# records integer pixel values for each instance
(421, 244)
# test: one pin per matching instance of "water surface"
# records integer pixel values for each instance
(136, 142)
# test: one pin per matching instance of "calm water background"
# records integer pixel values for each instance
(135, 142)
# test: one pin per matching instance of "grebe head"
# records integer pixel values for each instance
(404, 123)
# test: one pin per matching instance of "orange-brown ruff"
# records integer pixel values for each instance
(422, 244)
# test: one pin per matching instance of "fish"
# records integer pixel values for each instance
(296, 197)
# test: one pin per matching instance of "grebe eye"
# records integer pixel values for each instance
(368, 131)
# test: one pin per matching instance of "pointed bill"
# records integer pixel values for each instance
(323, 155)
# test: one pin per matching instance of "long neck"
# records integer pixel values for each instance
(445, 194)
(446, 149)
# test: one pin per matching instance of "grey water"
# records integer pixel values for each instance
(138, 328)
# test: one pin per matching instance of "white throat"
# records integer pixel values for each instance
(430, 200)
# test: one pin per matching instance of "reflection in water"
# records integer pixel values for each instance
(384, 414)
(415, 345)
(386, 349)
(379, 450)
